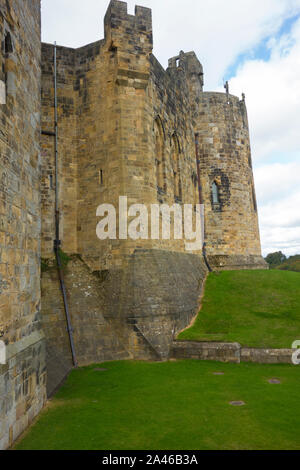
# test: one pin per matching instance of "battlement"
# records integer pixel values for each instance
(117, 17)
(190, 64)
(129, 38)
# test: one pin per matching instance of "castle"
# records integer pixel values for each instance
(111, 122)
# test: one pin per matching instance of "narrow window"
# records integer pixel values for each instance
(159, 155)
(51, 181)
(159, 174)
(215, 193)
(254, 199)
(196, 190)
(176, 168)
(8, 48)
(101, 177)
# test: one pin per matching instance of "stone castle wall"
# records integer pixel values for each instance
(22, 378)
(127, 128)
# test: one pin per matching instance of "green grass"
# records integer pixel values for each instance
(255, 308)
(171, 406)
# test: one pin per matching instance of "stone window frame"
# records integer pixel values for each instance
(215, 196)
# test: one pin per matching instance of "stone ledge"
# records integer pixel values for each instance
(224, 352)
(16, 348)
(228, 352)
(267, 356)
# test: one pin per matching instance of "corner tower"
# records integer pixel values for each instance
(227, 187)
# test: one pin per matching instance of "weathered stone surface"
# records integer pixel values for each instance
(2, 92)
(22, 379)
(132, 313)
(267, 356)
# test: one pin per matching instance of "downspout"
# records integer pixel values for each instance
(57, 241)
(201, 200)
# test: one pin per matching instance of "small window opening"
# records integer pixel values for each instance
(215, 193)
(254, 199)
(176, 167)
(159, 174)
(101, 177)
(159, 156)
(196, 195)
(51, 181)
(113, 48)
(8, 48)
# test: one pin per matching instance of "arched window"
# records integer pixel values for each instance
(159, 154)
(176, 167)
(215, 193)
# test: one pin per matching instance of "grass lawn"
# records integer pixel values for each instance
(255, 308)
(171, 406)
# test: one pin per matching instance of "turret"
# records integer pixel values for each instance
(130, 38)
(190, 64)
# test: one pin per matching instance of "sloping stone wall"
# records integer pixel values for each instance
(133, 313)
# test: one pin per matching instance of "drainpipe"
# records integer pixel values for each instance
(57, 241)
(201, 200)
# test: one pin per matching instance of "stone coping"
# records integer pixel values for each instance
(229, 352)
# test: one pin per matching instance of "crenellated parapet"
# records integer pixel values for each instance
(129, 39)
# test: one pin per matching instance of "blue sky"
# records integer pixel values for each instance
(262, 50)
(256, 46)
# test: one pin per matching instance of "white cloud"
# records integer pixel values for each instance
(217, 30)
(273, 100)
(273, 97)
(277, 181)
(278, 192)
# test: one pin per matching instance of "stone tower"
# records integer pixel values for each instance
(220, 124)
